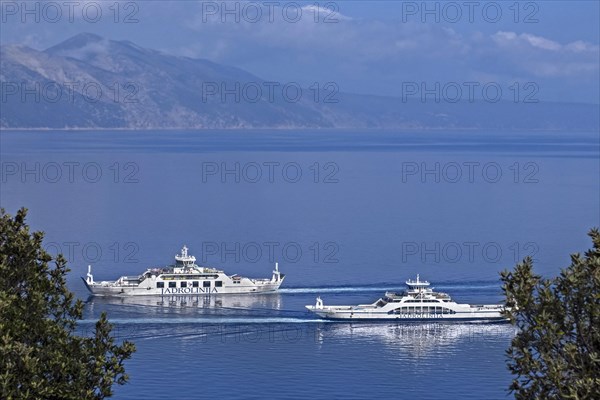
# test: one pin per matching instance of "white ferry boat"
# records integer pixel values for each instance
(183, 278)
(419, 302)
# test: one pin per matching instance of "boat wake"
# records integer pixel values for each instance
(208, 320)
(381, 288)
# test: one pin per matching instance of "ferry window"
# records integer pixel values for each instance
(160, 285)
(195, 284)
(206, 284)
(183, 284)
(172, 284)
(219, 283)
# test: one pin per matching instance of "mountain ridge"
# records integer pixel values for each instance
(90, 82)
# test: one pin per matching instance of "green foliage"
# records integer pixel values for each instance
(556, 353)
(41, 357)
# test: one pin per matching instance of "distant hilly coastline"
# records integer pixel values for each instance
(89, 82)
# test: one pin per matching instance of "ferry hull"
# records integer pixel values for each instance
(98, 289)
(185, 278)
(348, 313)
(418, 303)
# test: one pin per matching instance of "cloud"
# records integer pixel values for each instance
(528, 40)
(331, 14)
(542, 57)
(321, 33)
(376, 55)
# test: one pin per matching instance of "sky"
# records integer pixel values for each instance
(531, 50)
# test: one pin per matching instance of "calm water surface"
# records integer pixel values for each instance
(347, 215)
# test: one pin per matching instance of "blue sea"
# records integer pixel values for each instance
(346, 214)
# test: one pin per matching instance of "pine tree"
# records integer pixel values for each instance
(41, 357)
(556, 352)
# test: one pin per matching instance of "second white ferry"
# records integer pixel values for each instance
(419, 302)
(183, 278)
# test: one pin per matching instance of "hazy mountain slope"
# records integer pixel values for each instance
(91, 82)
